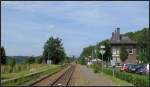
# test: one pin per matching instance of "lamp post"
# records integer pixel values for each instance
(102, 51)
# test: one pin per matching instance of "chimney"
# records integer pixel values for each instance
(118, 34)
(112, 38)
(115, 35)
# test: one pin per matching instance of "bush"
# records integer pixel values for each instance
(135, 79)
(96, 68)
(82, 61)
(39, 60)
(140, 80)
(108, 71)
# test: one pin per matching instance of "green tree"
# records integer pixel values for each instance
(142, 38)
(3, 56)
(142, 57)
(123, 54)
(12, 63)
(53, 50)
(82, 61)
(29, 60)
(107, 55)
(87, 51)
(39, 59)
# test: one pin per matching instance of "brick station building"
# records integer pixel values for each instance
(118, 40)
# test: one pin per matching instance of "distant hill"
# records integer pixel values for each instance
(19, 59)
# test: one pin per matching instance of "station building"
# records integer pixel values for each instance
(118, 40)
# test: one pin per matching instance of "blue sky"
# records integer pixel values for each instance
(25, 26)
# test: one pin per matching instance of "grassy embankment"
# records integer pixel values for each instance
(28, 76)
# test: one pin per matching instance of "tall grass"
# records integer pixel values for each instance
(29, 78)
(19, 67)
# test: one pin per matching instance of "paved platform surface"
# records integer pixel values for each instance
(84, 76)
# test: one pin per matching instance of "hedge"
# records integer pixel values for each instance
(135, 79)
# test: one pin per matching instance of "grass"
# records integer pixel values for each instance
(133, 79)
(43, 75)
(27, 77)
(116, 81)
(6, 76)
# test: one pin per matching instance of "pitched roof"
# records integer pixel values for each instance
(117, 38)
(123, 42)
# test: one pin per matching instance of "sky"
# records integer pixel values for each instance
(27, 25)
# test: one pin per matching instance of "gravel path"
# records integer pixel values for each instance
(86, 77)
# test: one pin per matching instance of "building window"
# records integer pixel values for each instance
(130, 51)
(114, 50)
(118, 51)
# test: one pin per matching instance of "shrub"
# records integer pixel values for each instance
(108, 71)
(140, 80)
(96, 68)
(135, 79)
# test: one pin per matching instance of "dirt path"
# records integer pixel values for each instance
(84, 76)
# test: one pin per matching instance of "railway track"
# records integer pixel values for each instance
(65, 78)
